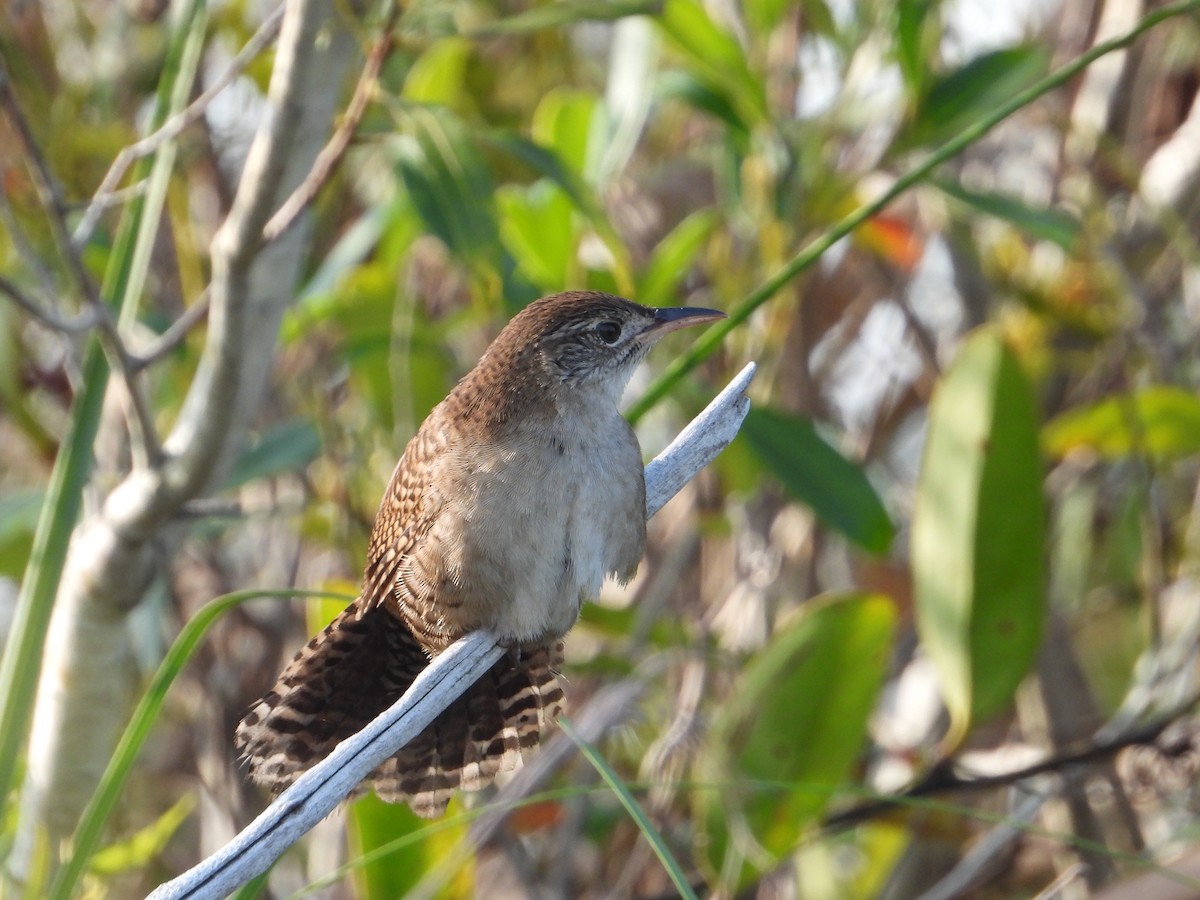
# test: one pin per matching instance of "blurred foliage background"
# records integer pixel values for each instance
(958, 535)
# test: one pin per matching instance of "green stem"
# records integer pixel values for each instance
(711, 339)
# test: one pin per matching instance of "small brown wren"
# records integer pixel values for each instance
(517, 495)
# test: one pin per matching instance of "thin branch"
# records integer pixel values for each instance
(141, 422)
(81, 322)
(108, 193)
(943, 778)
(331, 154)
(319, 790)
(174, 335)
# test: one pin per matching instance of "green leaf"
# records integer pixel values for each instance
(137, 851)
(564, 13)
(673, 257)
(790, 734)
(687, 89)
(18, 521)
(565, 122)
(1044, 224)
(439, 74)
(816, 474)
(1161, 421)
(716, 59)
(977, 542)
(449, 184)
(645, 826)
(536, 227)
(969, 93)
(287, 447)
(916, 41)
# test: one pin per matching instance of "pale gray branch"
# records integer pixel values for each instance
(324, 786)
(88, 671)
(108, 193)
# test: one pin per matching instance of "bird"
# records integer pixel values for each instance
(519, 493)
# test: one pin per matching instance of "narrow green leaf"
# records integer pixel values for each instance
(138, 851)
(715, 58)
(1160, 421)
(673, 257)
(112, 782)
(649, 832)
(916, 41)
(563, 13)
(439, 74)
(819, 476)
(564, 122)
(959, 98)
(798, 717)
(1045, 224)
(977, 530)
(287, 447)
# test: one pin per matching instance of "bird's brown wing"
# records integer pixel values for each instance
(368, 657)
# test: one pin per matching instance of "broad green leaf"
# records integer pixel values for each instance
(790, 734)
(287, 447)
(439, 74)
(1045, 224)
(1160, 421)
(536, 227)
(964, 96)
(819, 476)
(565, 122)
(977, 547)
(714, 57)
(673, 257)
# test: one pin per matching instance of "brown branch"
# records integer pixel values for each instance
(942, 778)
(108, 194)
(331, 154)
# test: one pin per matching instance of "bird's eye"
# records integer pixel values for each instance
(609, 332)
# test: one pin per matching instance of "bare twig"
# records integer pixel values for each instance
(316, 793)
(108, 193)
(81, 322)
(175, 333)
(141, 422)
(943, 778)
(333, 151)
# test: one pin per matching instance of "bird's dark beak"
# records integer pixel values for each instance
(672, 318)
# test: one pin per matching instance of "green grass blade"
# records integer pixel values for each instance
(112, 783)
(711, 339)
(618, 787)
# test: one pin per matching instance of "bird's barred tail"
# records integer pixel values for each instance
(360, 665)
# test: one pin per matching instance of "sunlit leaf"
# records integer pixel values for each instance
(537, 229)
(790, 734)
(819, 476)
(673, 257)
(916, 41)
(565, 122)
(148, 843)
(439, 74)
(977, 548)
(1160, 421)
(715, 58)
